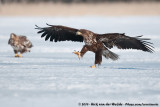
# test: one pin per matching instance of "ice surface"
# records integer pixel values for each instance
(52, 76)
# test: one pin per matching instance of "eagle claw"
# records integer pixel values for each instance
(18, 55)
(77, 53)
(94, 66)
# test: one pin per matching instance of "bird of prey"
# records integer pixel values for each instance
(19, 44)
(97, 43)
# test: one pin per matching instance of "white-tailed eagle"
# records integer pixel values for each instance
(19, 44)
(97, 43)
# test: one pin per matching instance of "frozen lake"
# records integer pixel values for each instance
(52, 76)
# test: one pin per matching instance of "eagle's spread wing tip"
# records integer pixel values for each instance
(37, 27)
(125, 42)
(48, 24)
(139, 36)
(59, 33)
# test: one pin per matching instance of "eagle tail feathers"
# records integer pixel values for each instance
(31, 45)
(108, 54)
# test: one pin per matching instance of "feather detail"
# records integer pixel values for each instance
(122, 41)
(59, 33)
(20, 43)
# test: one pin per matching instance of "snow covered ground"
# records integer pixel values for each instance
(52, 76)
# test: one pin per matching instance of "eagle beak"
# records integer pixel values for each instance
(78, 33)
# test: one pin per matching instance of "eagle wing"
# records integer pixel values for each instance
(25, 42)
(9, 41)
(122, 41)
(59, 33)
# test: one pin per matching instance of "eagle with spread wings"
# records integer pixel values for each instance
(97, 43)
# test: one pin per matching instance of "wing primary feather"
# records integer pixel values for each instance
(125, 42)
(49, 34)
(142, 38)
(139, 36)
(149, 49)
(59, 33)
(52, 36)
(40, 31)
(47, 37)
(148, 44)
(37, 27)
(44, 34)
(48, 24)
(146, 39)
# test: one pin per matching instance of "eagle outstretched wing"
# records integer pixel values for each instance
(122, 41)
(59, 33)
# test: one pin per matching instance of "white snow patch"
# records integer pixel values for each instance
(52, 76)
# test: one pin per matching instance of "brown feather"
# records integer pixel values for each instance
(59, 33)
(19, 43)
(97, 43)
(98, 57)
(122, 41)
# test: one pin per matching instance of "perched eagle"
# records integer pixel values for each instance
(19, 44)
(97, 43)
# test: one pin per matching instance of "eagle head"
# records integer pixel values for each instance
(12, 35)
(83, 32)
(78, 33)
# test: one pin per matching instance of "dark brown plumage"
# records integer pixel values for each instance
(60, 33)
(97, 43)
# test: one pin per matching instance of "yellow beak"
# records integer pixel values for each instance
(78, 33)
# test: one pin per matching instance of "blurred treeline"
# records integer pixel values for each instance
(73, 1)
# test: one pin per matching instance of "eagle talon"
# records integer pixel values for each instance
(77, 53)
(16, 55)
(20, 55)
(94, 66)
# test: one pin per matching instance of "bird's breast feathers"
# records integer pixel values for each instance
(90, 40)
(17, 47)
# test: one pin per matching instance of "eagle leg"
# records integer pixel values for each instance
(20, 55)
(98, 58)
(16, 55)
(77, 53)
(94, 66)
(84, 50)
